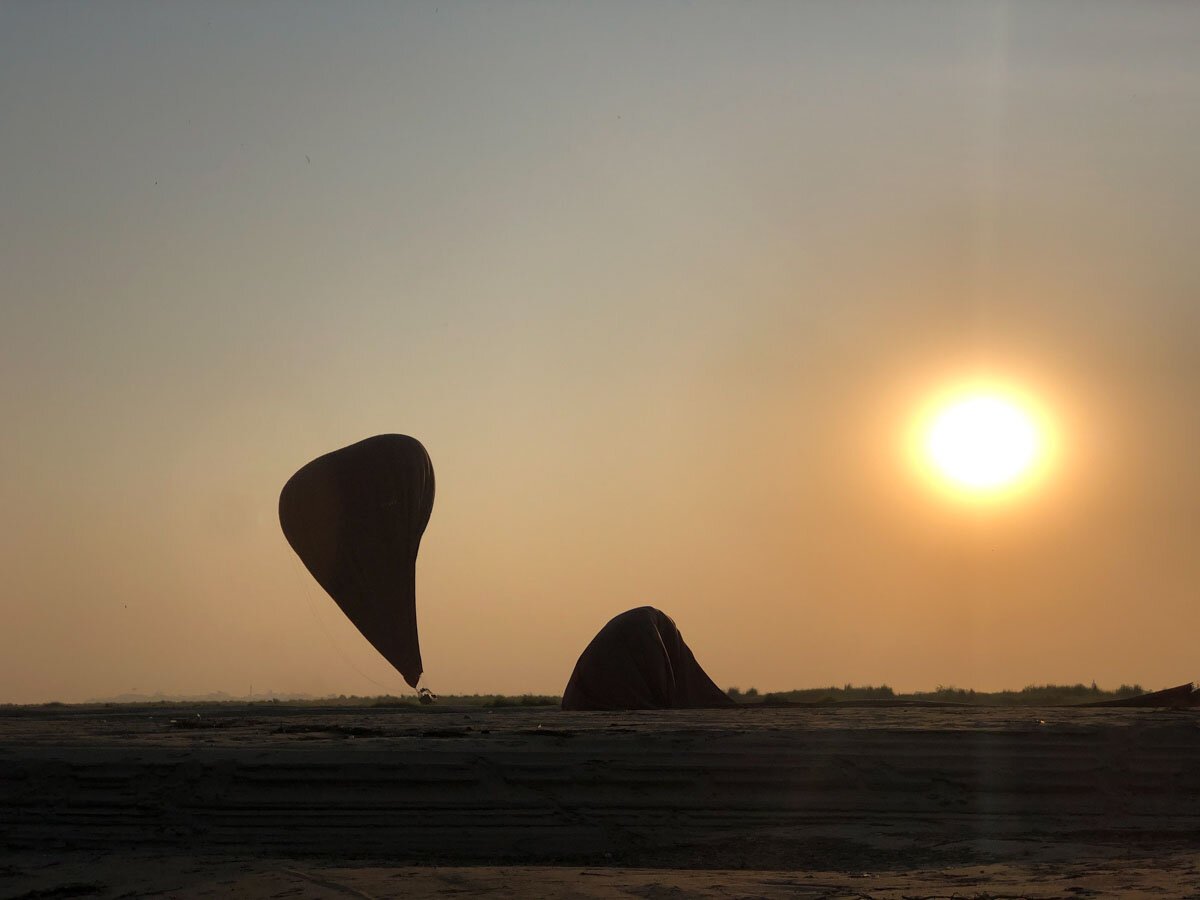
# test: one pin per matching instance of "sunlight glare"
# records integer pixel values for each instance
(982, 443)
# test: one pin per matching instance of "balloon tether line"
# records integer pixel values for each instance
(346, 659)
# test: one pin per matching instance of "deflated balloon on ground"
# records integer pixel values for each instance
(639, 660)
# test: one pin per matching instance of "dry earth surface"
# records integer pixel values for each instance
(270, 801)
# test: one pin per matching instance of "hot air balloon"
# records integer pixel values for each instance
(355, 518)
(639, 661)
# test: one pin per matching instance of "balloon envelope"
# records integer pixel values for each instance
(639, 661)
(355, 518)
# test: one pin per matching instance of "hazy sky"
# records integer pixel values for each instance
(659, 286)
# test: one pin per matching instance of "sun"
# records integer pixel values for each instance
(983, 442)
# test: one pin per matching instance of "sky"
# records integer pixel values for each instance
(661, 287)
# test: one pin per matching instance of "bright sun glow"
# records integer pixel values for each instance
(983, 443)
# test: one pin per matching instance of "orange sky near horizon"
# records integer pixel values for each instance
(661, 289)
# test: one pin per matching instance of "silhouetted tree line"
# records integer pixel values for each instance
(1031, 695)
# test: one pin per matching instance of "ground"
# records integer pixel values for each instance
(263, 801)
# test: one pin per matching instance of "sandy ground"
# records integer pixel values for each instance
(279, 802)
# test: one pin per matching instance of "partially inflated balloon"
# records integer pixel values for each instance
(355, 518)
(639, 661)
